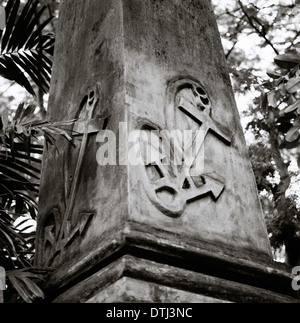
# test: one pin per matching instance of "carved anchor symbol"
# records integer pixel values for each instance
(181, 187)
(84, 127)
(59, 235)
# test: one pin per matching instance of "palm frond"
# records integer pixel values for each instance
(25, 54)
(25, 281)
(20, 159)
(12, 243)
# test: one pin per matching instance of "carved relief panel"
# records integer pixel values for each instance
(65, 226)
(178, 177)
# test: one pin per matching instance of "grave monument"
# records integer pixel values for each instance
(191, 231)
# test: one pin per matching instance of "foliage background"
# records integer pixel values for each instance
(27, 45)
(254, 33)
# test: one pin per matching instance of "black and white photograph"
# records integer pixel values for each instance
(149, 154)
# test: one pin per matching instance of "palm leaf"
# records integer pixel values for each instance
(25, 51)
(24, 281)
(11, 241)
(20, 167)
(19, 183)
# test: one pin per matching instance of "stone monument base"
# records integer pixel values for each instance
(131, 279)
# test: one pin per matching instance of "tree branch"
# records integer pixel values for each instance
(262, 32)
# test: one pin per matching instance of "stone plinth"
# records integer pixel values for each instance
(193, 231)
(135, 280)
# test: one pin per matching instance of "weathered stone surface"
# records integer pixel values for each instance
(133, 280)
(179, 53)
(85, 62)
(154, 65)
(128, 290)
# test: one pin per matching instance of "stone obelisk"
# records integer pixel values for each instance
(153, 232)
